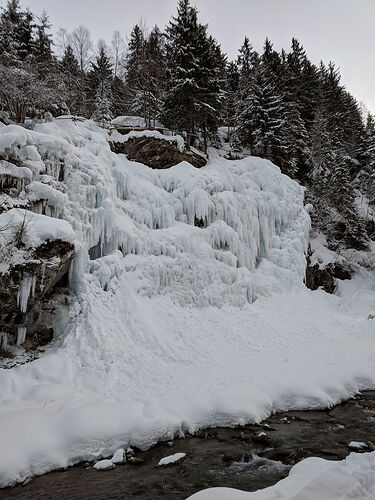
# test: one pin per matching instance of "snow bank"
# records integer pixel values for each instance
(312, 479)
(186, 314)
(154, 134)
(7, 168)
(133, 121)
(37, 228)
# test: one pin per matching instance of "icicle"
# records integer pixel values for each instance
(4, 341)
(21, 335)
(26, 287)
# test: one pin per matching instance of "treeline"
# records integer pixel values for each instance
(277, 105)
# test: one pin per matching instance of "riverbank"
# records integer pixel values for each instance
(248, 458)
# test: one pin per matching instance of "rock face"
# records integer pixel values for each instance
(325, 278)
(31, 292)
(156, 153)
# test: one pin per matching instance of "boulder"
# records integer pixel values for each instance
(156, 152)
(317, 277)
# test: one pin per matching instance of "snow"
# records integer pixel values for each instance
(104, 465)
(134, 121)
(154, 134)
(357, 445)
(40, 191)
(320, 254)
(7, 168)
(38, 228)
(163, 307)
(118, 456)
(171, 459)
(312, 479)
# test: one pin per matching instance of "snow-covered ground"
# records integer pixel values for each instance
(173, 326)
(312, 479)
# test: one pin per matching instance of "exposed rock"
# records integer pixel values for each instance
(32, 290)
(135, 460)
(317, 277)
(156, 153)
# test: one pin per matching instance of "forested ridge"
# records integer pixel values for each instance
(277, 105)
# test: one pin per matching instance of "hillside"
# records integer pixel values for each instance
(176, 273)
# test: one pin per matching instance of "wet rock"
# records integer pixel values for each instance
(358, 446)
(336, 453)
(265, 440)
(135, 460)
(244, 437)
(232, 457)
(41, 278)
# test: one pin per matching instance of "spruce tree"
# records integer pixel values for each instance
(43, 58)
(100, 80)
(194, 87)
(136, 74)
(10, 43)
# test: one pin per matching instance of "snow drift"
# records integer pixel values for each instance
(189, 308)
(312, 479)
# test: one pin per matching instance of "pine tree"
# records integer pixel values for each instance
(231, 93)
(10, 44)
(69, 63)
(71, 76)
(119, 97)
(194, 87)
(260, 126)
(42, 52)
(156, 70)
(103, 104)
(136, 75)
(295, 156)
(100, 79)
(26, 35)
(349, 226)
(248, 63)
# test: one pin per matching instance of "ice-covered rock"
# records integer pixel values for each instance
(357, 445)
(172, 459)
(104, 465)
(118, 456)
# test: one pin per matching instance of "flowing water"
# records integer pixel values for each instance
(238, 458)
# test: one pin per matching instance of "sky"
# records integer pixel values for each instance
(330, 30)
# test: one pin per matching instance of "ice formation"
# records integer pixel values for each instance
(178, 273)
(25, 289)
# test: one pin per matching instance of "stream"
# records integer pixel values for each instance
(247, 458)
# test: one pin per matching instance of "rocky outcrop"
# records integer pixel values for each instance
(32, 290)
(156, 153)
(325, 278)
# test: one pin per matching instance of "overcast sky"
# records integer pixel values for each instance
(337, 30)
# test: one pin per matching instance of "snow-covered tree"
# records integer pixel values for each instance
(103, 104)
(195, 75)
